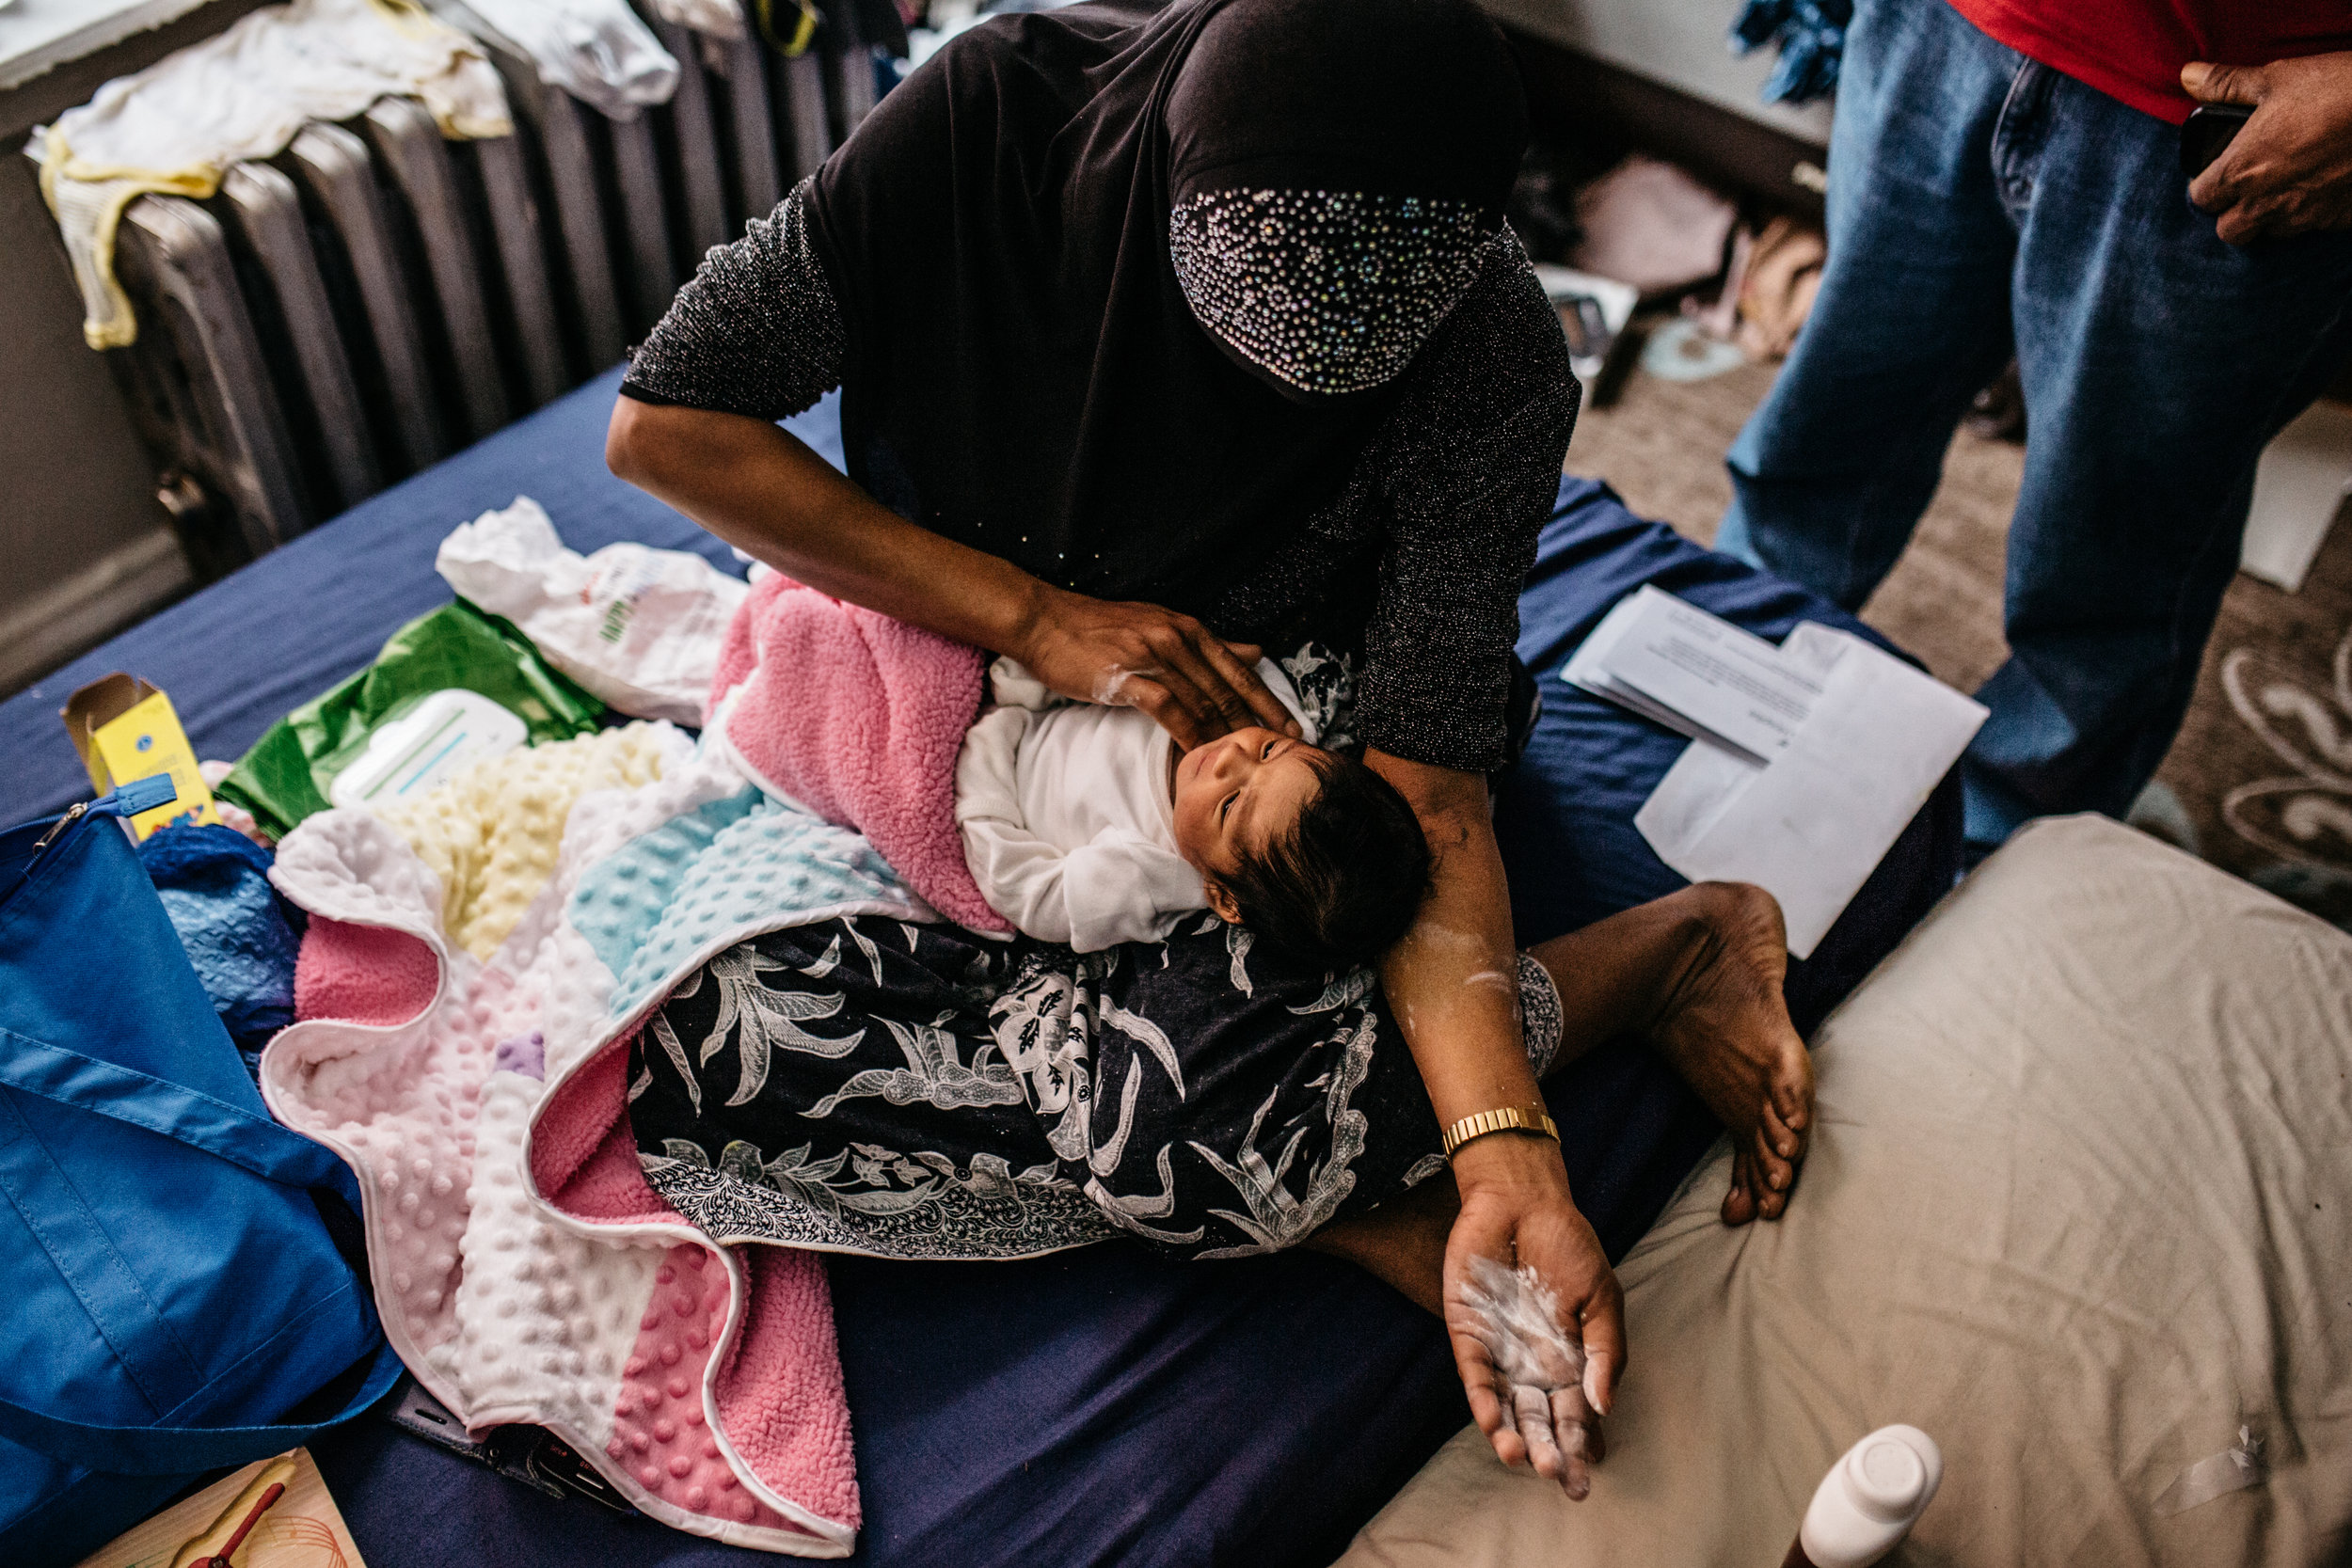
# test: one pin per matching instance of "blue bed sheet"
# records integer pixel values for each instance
(1093, 1407)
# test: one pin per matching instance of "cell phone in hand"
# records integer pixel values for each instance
(2209, 129)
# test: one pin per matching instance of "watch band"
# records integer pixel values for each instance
(1511, 1119)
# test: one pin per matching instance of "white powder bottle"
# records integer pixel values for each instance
(1870, 1500)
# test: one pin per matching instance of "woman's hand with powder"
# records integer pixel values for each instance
(1191, 682)
(1534, 1311)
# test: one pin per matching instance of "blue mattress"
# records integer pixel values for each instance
(1093, 1407)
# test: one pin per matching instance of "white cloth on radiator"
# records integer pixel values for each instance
(176, 127)
(598, 51)
(720, 19)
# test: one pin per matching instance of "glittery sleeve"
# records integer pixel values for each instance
(1467, 468)
(755, 331)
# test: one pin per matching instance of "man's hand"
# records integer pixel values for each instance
(1520, 1252)
(1192, 682)
(2290, 170)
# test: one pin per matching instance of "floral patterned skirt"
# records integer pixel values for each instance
(866, 1085)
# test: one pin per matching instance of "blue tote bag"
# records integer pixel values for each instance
(172, 1292)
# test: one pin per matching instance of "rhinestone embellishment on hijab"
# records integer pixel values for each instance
(1329, 291)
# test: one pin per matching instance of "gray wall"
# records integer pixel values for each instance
(84, 548)
(1679, 43)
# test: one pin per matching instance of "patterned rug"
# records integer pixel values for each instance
(2259, 779)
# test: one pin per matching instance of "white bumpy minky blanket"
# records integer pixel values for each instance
(524, 1269)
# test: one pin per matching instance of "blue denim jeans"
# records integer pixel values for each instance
(1978, 201)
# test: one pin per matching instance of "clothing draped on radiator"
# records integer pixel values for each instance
(177, 126)
(598, 51)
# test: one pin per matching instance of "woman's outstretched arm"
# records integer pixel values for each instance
(1698, 972)
(758, 487)
(1453, 984)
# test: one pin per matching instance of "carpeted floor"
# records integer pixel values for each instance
(2259, 781)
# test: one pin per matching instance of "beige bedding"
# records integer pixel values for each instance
(2080, 1205)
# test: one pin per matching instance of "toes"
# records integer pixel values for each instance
(1740, 1202)
(1783, 1140)
(1775, 1173)
(1791, 1098)
(1773, 1178)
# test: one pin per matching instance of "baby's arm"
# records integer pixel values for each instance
(1019, 874)
(1122, 887)
(1119, 888)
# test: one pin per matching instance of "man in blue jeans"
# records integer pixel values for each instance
(2007, 173)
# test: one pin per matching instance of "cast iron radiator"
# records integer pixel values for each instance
(376, 297)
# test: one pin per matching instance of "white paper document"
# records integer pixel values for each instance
(1696, 675)
(1811, 825)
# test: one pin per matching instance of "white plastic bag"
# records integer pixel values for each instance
(639, 627)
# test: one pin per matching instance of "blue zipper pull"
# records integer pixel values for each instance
(140, 795)
(126, 802)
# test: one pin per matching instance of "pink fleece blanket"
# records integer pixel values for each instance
(858, 718)
(405, 1061)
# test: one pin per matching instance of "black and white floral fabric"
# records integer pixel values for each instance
(912, 1091)
(864, 1084)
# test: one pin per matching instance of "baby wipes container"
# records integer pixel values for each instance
(1870, 1500)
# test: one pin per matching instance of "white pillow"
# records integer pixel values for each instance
(2080, 1205)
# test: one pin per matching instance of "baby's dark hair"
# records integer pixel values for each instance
(1346, 880)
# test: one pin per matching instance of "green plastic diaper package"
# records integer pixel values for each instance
(447, 688)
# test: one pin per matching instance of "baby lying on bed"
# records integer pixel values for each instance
(1072, 822)
(1084, 825)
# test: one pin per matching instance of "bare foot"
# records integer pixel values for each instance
(1725, 1027)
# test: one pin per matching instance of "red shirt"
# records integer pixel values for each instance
(2133, 50)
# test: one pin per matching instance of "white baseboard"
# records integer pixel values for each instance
(71, 617)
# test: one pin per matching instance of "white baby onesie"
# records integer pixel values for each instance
(1066, 817)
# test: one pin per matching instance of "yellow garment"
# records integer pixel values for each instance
(491, 834)
(176, 127)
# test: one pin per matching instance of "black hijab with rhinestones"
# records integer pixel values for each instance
(1127, 291)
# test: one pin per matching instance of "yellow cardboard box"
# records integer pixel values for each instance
(124, 729)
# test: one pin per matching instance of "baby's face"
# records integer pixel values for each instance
(1235, 795)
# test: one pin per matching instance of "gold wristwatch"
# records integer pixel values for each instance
(1511, 1119)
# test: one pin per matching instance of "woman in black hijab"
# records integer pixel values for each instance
(1168, 337)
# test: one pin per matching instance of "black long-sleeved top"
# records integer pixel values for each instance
(1418, 560)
